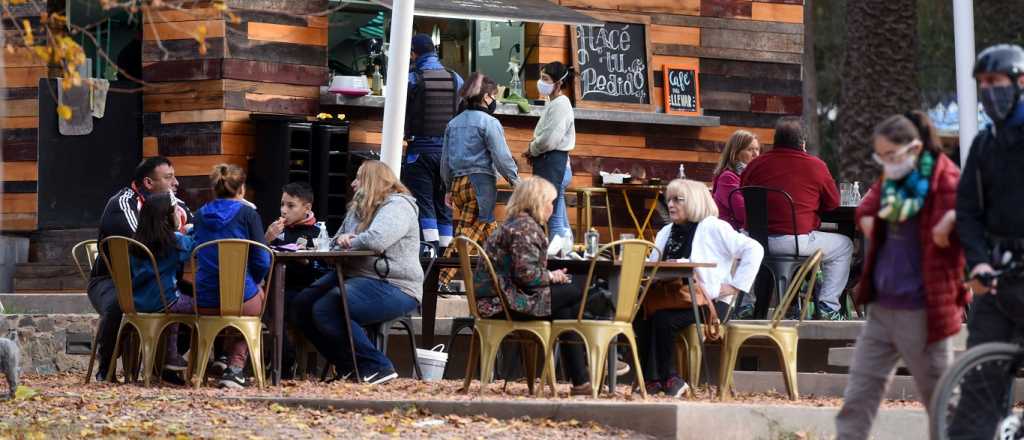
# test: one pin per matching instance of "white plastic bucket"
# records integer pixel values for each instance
(432, 362)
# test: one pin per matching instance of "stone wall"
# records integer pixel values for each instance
(43, 340)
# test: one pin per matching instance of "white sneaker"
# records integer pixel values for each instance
(380, 377)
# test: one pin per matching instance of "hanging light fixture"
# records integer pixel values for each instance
(435, 35)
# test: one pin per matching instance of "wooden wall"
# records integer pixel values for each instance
(19, 125)
(270, 60)
(749, 54)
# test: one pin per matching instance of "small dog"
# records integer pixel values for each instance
(9, 359)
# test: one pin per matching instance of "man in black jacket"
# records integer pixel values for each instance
(121, 217)
(990, 221)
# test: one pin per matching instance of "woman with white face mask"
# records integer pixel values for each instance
(912, 272)
(553, 139)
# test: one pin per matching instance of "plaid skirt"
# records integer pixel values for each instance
(466, 221)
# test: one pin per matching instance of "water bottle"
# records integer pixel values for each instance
(323, 241)
(591, 241)
(682, 171)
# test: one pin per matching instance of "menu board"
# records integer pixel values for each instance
(612, 62)
(682, 91)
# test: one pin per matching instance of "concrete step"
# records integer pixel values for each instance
(827, 384)
(46, 303)
(54, 247)
(34, 277)
(832, 330)
(843, 356)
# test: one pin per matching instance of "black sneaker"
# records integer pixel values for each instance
(823, 312)
(745, 311)
(654, 387)
(675, 386)
(172, 378)
(175, 363)
(340, 376)
(218, 366)
(380, 377)
(232, 378)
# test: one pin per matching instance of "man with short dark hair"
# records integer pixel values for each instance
(788, 167)
(433, 101)
(121, 217)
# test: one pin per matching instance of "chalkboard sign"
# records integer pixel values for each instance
(612, 62)
(682, 92)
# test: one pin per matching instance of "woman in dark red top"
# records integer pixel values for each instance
(740, 150)
(912, 272)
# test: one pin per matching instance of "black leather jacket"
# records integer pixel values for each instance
(990, 198)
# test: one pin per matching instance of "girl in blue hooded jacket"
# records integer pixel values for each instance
(230, 216)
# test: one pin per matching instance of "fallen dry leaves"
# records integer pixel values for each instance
(64, 407)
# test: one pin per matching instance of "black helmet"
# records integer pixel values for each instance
(1001, 58)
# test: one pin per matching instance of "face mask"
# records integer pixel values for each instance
(492, 107)
(740, 167)
(998, 101)
(897, 171)
(545, 88)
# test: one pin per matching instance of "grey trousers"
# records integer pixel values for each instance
(888, 336)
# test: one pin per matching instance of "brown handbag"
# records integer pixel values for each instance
(675, 294)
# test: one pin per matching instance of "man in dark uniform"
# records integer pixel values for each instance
(433, 101)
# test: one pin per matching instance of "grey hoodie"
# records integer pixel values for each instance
(395, 231)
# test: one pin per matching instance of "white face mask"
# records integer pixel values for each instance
(545, 88)
(897, 171)
(740, 166)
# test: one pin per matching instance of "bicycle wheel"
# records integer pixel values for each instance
(974, 398)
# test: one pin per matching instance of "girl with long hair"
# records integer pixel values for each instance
(158, 231)
(741, 148)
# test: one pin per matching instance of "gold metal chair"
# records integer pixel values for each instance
(233, 262)
(783, 338)
(115, 252)
(689, 351)
(490, 332)
(598, 335)
(84, 255)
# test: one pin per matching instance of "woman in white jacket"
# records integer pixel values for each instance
(695, 234)
(553, 139)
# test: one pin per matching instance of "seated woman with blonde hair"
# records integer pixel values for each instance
(695, 234)
(383, 218)
(518, 249)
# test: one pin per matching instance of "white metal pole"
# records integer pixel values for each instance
(398, 84)
(966, 88)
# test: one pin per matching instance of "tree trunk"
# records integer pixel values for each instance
(810, 83)
(879, 77)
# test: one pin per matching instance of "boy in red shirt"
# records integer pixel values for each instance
(807, 180)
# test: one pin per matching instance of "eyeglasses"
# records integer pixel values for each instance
(679, 200)
(893, 155)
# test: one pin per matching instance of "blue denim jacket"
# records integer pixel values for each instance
(474, 143)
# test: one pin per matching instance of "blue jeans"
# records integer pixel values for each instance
(558, 224)
(298, 309)
(370, 301)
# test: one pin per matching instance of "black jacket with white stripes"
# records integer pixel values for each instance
(121, 217)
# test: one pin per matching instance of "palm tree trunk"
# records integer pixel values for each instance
(879, 77)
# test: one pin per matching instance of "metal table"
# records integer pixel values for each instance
(277, 300)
